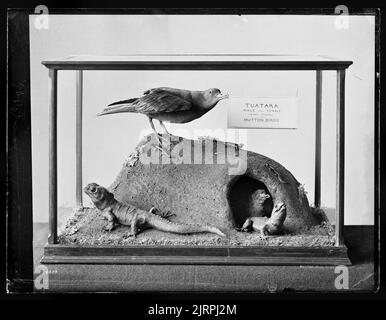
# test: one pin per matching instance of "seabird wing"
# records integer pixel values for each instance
(157, 100)
(160, 89)
(182, 93)
(161, 101)
(128, 101)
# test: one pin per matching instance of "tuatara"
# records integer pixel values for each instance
(267, 226)
(260, 203)
(119, 213)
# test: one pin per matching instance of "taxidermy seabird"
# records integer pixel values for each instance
(169, 104)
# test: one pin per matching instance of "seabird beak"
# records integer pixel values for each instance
(222, 96)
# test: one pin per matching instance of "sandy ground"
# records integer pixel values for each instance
(86, 228)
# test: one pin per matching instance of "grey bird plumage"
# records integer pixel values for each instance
(169, 105)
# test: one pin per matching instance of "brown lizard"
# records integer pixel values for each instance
(118, 213)
(267, 226)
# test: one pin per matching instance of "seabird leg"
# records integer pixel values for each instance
(163, 127)
(158, 138)
(165, 132)
(154, 130)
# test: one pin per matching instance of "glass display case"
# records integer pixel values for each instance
(272, 141)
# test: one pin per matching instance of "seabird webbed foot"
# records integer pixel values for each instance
(158, 144)
(163, 151)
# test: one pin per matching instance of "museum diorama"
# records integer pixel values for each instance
(188, 201)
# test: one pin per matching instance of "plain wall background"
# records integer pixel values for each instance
(107, 141)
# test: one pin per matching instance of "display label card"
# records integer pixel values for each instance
(263, 112)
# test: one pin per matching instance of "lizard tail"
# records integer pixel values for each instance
(168, 226)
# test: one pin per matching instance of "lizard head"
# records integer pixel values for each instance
(260, 195)
(99, 195)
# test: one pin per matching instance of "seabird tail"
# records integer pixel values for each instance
(119, 107)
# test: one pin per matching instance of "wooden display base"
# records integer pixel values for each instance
(272, 255)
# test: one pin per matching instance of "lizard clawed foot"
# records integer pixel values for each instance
(263, 236)
(241, 229)
(109, 227)
(263, 233)
(129, 235)
(167, 215)
(247, 226)
(162, 214)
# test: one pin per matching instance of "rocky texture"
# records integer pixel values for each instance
(86, 227)
(209, 182)
(205, 182)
